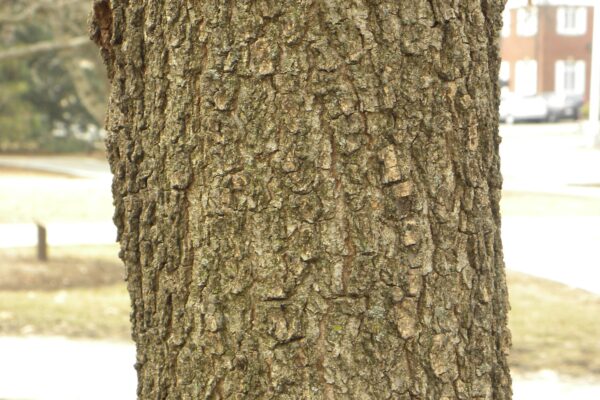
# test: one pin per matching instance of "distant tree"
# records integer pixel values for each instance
(307, 196)
(51, 78)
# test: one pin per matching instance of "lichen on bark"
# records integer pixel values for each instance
(307, 197)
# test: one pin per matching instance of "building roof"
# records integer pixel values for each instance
(522, 3)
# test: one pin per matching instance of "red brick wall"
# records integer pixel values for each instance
(547, 47)
(516, 48)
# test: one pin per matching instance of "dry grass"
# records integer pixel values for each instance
(79, 293)
(553, 327)
(67, 267)
(99, 312)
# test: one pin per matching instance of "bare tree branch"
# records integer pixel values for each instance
(42, 47)
(23, 15)
(31, 10)
(88, 95)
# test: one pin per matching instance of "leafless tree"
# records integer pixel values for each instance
(69, 40)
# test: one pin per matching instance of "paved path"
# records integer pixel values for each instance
(59, 234)
(61, 369)
(546, 385)
(563, 249)
(39, 368)
(552, 158)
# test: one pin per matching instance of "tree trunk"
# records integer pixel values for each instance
(307, 196)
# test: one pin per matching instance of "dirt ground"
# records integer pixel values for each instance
(82, 267)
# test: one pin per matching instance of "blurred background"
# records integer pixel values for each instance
(64, 308)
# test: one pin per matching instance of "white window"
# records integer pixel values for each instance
(506, 23)
(526, 77)
(571, 20)
(569, 77)
(504, 73)
(527, 21)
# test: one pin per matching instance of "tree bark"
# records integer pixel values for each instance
(307, 196)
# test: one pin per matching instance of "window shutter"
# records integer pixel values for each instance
(581, 20)
(527, 21)
(561, 15)
(559, 77)
(505, 71)
(571, 20)
(506, 23)
(526, 77)
(580, 77)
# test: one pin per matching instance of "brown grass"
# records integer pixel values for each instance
(553, 327)
(98, 312)
(67, 267)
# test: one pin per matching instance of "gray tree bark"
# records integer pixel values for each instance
(307, 196)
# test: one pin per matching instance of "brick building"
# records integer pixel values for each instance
(547, 46)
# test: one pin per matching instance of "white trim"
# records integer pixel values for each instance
(559, 76)
(526, 76)
(577, 80)
(580, 81)
(527, 21)
(506, 23)
(511, 4)
(579, 21)
(593, 130)
(504, 71)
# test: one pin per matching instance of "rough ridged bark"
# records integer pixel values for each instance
(307, 196)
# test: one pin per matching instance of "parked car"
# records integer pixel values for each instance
(523, 108)
(561, 106)
(545, 107)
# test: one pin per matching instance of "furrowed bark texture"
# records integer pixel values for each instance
(307, 196)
